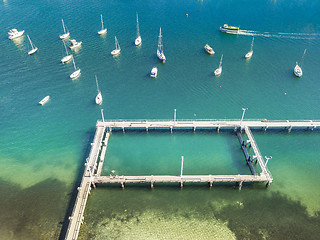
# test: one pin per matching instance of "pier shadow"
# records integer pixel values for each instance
(73, 194)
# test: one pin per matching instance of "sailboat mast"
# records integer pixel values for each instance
(221, 61)
(30, 41)
(97, 83)
(65, 47)
(138, 31)
(101, 22)
(160, 41)
(252, 43)
(74, 64)
(64, 29)
(303, 56)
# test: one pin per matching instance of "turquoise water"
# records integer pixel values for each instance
(43, 148)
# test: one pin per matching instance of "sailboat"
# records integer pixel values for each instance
(66, 58)
(297, 69)
(249, 54)
(138, 40)
(99, 95)
(160, 53)
(103, 30)
(34, 48)
(116, 51)
(76, 72)
(218, 71)
(66, 34)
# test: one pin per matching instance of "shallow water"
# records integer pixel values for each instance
(43, 149)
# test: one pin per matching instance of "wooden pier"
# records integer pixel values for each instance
(76, 218)
(93, 169)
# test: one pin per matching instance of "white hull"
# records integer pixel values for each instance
(229, 31)
(115, 52)
(44, 100)
(297, 71)
(75, 45)
(154, 72)
(161, 56)
(98, 99)
(64, 36)
(138, 41)
(66, 59)
(16, 35)
(248, 55)
(209, 49)
(218, 71)
(34, 50)
(75, 74)
(103, 31)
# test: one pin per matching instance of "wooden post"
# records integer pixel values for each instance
(240, 185)
(123, 130)
(147, 129)
(122, 185)
(171, 129)
(218, 129)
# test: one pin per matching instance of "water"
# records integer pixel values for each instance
(43, 148)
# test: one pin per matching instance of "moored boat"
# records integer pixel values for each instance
(230, 29)
(116, 51)
(34, 48)
(98, 98)
(297, 69)
(249, 54)
(218, 71)
(154, 72)
(103, 30)
(76, 72)
(74, 44)
(138, 40)
(68, 57)
(44, 100)
(208, 49)
(14, 33)
(160, 53)
(66, 34)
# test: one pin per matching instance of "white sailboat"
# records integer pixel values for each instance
(66, 34)
(218, 71)
(34, 48)
(249, 54)
(76, 72)
(99, 95)
(297, 69)
(160, 53)
(116, 51)
(138, 40)
(68, 57)
(103, 30)
(14, 33)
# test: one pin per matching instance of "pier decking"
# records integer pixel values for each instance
(93, 169)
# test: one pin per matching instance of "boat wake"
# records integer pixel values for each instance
(280, 35)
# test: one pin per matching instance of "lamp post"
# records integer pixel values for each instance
(175, 116)
(244, 111)
(181, 166)
(102, 115)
